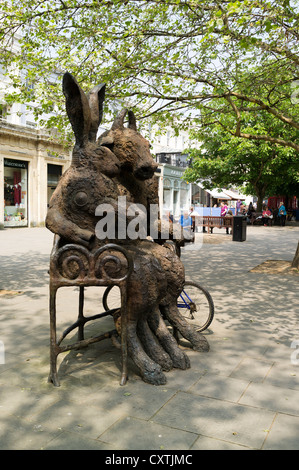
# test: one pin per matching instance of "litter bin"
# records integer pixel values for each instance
(297, 214)
(239, 228)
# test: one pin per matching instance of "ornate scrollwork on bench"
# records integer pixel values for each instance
(75, 265)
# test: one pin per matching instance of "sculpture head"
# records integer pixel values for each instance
(129, 146)
(85, 113)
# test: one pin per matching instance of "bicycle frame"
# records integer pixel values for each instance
(185, 304)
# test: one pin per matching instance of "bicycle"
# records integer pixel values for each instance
(195, 303)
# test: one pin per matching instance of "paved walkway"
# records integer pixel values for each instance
(242, 394)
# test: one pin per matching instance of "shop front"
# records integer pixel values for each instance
(176, 193)
(30, 168)
(15, 193)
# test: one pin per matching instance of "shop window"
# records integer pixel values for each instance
(15, 193)
(166, 198)
(184, 195)
(166, 183)
(176, 184)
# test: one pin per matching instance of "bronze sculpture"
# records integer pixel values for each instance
(119, 164)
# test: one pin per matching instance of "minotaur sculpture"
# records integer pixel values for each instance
(119, 164)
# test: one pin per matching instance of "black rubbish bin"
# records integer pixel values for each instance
(239, 229)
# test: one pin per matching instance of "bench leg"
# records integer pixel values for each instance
(124, 337)
(80, 315)
(53, 376)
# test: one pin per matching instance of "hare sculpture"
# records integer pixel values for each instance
(116, 164)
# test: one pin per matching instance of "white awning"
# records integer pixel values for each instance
(215, 194)
(234, 195)
(219, 194)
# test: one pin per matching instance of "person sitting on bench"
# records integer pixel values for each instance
(266, 215)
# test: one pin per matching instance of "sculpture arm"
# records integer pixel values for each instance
(67, 229)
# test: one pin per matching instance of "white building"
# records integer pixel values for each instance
(175, 194)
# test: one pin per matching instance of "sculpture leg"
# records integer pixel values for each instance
(151, 372)
(197, 340)
(151, 345)
(179, 359)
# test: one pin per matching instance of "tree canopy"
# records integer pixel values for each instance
(180, 62)
(258, 167)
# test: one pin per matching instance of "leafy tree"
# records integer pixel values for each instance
(259, 167)
(169, 59)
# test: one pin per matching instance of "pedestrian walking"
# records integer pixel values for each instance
(223, 209)
(238, 206)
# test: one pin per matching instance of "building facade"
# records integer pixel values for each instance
(175, 194)
(30, 160)
(29, 173)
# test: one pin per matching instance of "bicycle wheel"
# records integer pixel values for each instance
(111, 298)
(196, 305)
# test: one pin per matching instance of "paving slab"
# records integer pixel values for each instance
(18, 434)
(137, 399)
(71, 441)
(220, 387)
(88, 421)
(136, 434)
(269, 397)
(241, 395)
(283, 434)
(208, 443)
(252, 369)
(217, 419)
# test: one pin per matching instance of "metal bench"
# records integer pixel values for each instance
(74, 265)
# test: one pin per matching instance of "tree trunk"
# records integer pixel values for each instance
(259, 204)
(260, 193)
(295, 262)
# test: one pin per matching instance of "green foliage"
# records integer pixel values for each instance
(167, 59)
(260, 167)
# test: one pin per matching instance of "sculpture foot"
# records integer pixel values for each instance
(152, 347)
(150, 371)
(154, 377)
(179, 359)
(197, 340)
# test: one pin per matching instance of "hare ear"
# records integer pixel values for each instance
(96, 99)
(77, 109)
(119, 120)
(132, 121)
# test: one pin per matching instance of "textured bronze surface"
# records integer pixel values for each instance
(149, 272)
